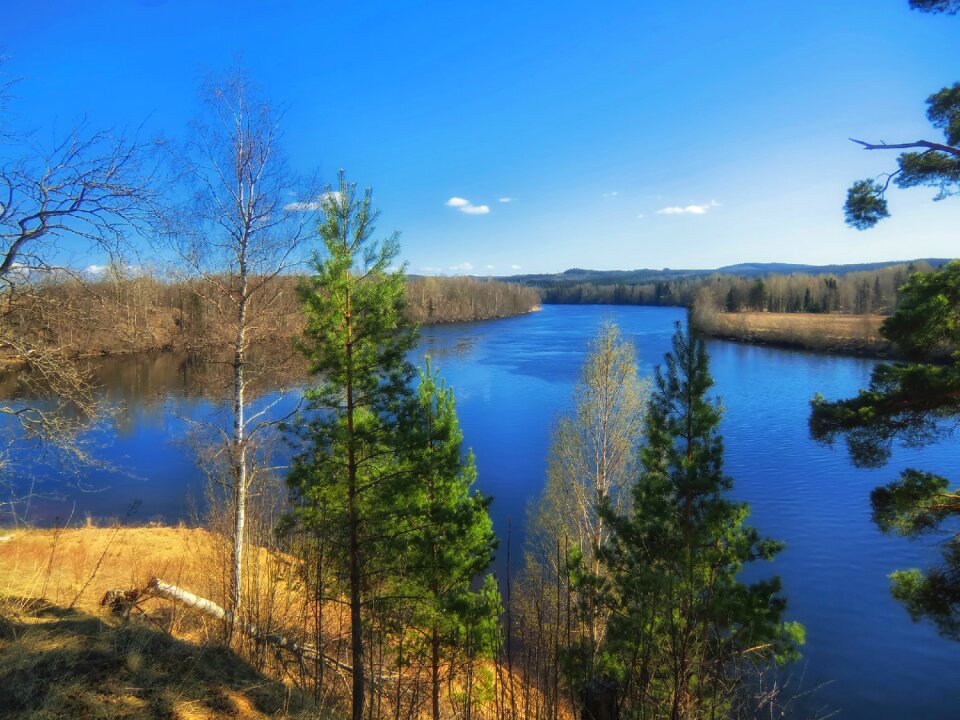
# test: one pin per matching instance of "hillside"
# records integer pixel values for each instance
(861, 288)
(751, 270)
(63, 656)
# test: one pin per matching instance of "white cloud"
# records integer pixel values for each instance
(639, 216)
(463, 267)
(311, 205)
(611, 194)
(491, 267)
(465, 206)
(507, 199)
(95, 269)
(514, 267)
(689, 209)
(429, 269)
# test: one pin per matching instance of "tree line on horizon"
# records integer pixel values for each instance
(121, 310)
(860, 292)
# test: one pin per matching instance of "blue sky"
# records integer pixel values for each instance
(626, 135)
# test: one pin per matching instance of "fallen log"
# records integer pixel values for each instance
(121, 602)
(303, 651)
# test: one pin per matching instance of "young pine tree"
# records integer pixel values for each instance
(450, 539)
(683, 626)
(356, 340)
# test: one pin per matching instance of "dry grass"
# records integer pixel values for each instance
(61, 655)
(61, 566)
(61, 663)
(859, 334)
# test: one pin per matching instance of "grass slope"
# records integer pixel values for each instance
(62, 656)
(61, 663)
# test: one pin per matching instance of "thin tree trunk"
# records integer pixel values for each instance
(239, 451)
(353, 521)
(513, 705)
(435, 670)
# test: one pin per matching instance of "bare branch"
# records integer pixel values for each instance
(939, 147)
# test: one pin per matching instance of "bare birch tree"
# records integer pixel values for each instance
(593, 457)
(245, 230)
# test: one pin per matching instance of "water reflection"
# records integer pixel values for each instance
(440, 348)
(158, 408)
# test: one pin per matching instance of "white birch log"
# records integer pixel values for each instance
(156, 586)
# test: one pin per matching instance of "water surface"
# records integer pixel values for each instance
(513, 377)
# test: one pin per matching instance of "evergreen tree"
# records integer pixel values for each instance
(356, 340)
(913, 402)
(950, 7)
(450, 540)
(931, 163)
(682, 625)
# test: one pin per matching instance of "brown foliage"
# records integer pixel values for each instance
(457, 299)
(124, 312)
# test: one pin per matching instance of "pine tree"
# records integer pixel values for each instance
(450, 540)
(928, 163)
(682, 625)
(356, 340)
(914, 402)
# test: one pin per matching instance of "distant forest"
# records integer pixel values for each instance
(739, 288)
(119, 312)
(455, 299)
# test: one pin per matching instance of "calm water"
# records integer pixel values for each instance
(512, 377)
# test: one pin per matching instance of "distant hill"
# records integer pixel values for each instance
(754, 269)
(649, 275)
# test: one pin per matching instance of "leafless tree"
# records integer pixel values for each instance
(86, 190)
(593, 459)
(243, 231)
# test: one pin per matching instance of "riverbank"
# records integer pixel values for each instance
(76, 566)
(482, 318)
(820, 332)
(144, 315)
(86, 631)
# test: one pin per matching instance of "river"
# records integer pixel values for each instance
(512, 378)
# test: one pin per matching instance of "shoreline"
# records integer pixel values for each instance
(535, 308)
(14, 364)
(832, 334)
